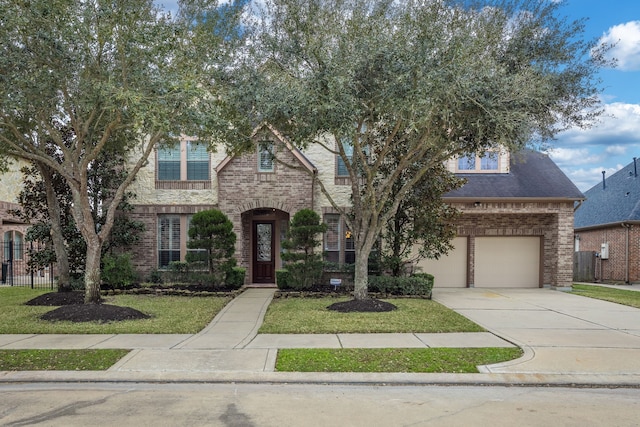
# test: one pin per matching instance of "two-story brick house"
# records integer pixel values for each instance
(516, 229)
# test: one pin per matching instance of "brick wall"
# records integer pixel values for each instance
(553, 222)
(145, 254)
(614, 269)
(241, 188)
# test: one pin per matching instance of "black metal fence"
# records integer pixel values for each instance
(16, 270)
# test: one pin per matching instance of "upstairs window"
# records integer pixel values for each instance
(169, 163)
(197, 162)
(185, 161)
(488, 162)
(265, 156)
(341, 167)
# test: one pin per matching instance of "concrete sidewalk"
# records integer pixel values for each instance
(567, 340)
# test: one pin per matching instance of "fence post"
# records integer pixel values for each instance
(10, 272)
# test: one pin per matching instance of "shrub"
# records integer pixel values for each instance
(235, 277)
(156, 277)
(414, 285)
(303, 264)
(118, 271)
(212, 231)
(283, 278)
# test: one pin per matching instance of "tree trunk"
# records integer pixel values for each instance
(57, 237)
(92, 273)
(361, 279)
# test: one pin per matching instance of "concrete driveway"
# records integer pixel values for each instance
(560, 333)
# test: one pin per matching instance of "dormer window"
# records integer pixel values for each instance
(489, 161)
(265, 156)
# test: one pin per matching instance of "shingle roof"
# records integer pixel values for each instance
(531, 175)
(617, 201)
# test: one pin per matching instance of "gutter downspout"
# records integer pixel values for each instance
(626, 253)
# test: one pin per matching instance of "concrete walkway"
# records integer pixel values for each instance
(567, 340)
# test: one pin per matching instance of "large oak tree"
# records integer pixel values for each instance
(112, 72)
(439, 78)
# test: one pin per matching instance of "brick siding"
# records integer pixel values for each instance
(553, 222)
(614, 269)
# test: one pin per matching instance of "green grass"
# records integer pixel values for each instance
(59, 360)
(620, 296)
(169, 315)
(438, 360)
(310, 316)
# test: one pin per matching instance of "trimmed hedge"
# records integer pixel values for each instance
(283, 279)
(235, 277)
(419, 284)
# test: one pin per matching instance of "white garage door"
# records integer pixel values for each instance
(507, 262)
(449, 271)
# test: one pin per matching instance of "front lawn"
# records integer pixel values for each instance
(310, 316)
(59, 360)
(169, 314)
(620, 296)
(432, 360)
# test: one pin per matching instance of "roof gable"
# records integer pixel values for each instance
(281, 140)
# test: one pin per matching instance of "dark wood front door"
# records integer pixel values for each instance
(264, 259)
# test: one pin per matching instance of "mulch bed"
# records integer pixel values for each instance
(368, 305)
(72, 308)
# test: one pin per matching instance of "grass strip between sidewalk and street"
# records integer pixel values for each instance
(169, 314)
(59, 360)
(310, 316)
(619, 296)
(411, 360)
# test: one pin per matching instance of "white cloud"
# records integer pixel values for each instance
(573, 156)
(626, 38)
(620, 124)
(585, 178)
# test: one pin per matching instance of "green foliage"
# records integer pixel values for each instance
(433, 360)
(212, 231)
(156, 277)
(168, 315)
(432, 79)
(310, 316)
(121, 78)
(283, 279)
(235, 277)
(302, 262)
(414, 285)
(118, 271)
(59, 360)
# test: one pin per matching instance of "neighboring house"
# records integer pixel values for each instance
(608, 224)
(516, 227)
(12, 229)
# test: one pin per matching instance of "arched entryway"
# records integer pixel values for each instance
(263, 230)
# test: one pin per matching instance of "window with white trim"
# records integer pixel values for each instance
(168, 240)
(187, 160)
(489, 161)
(339, 245)
(265, 156)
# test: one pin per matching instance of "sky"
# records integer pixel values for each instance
(614, 140)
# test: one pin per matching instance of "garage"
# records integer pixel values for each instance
(507, 262)
(449, 271)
